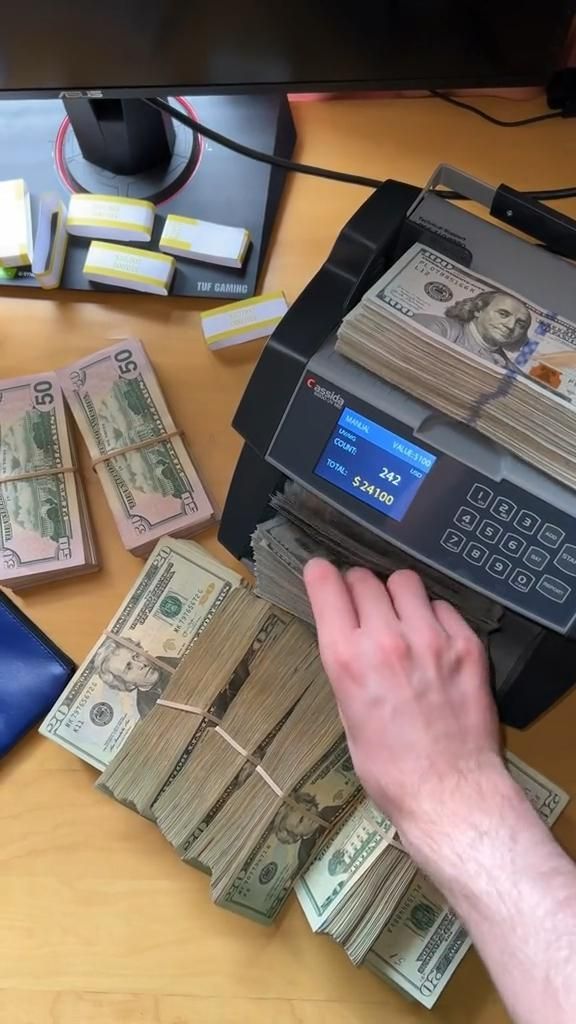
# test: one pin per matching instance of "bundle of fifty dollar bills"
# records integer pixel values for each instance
(139, 455)
(207, 710)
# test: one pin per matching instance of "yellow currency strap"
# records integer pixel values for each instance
(259, 300)
(124, 275)
(98, 222)
(234, 332)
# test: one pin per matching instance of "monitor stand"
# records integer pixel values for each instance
(125, 147)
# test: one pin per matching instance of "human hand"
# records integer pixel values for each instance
(411, 681)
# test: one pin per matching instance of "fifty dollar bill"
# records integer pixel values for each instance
(117, 402)
(44, 526)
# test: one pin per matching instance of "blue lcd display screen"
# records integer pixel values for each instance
(375, 465)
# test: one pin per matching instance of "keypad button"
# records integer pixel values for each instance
(513, 544)
(480, 496)
(499, 567)
(521, 580)
(550, 535)
(466, 518)
(552, 588)
(536, 558)
(488, 531)
(566, 559)
(453, 540)
(503, 509)
(475, 553)
(527, 522)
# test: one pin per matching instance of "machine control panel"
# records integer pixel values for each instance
(500, 538)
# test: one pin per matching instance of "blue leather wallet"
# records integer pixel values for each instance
(33, 671)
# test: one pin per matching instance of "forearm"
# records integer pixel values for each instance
(512, 886)
(411, 681)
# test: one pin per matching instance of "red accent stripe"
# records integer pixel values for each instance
(67, 180)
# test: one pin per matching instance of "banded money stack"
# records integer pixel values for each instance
(210, 713)
(474, 350)
(149, 480)
(175, 596)
(306, 527)
(242, 764)
(45, 531)
(367, 894)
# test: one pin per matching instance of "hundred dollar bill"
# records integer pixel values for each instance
(175, 596)
(422, 945)
(337, 867)
(286, 846)
(155, 489)
(43, 525)
(485, 320)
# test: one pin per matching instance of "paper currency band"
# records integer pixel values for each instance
(396, 842)
(192, 710)
(147, 443)
(14, 478)
(136, 649)
(390, 838)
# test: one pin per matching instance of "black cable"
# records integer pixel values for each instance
(543, 195)
(488, 117)
(255, 154)
(323, 172)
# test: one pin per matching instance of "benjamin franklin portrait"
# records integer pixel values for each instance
(492, 324)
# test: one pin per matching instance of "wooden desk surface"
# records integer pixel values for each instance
(99, 922)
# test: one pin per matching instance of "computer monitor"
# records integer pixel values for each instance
(167, 47)
(231, 65)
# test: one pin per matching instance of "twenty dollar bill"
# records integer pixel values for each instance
(175, 596)
(423, 943)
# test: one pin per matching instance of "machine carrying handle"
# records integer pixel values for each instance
(546, 225)
(550, 227)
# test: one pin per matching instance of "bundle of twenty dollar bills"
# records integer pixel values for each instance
(208, 711)
(361, 888)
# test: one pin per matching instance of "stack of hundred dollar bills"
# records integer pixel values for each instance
(207, 709)
(470, 347)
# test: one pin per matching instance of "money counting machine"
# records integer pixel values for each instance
(466, 506)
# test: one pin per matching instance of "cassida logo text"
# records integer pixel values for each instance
(333, 397)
